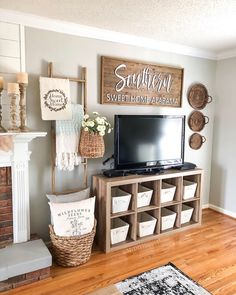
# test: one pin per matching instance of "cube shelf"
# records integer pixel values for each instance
(195, 215)
(170, 218)
(174, 183)
(119, 230)
(146, 223)
(147, 208)
(120, 200)
(188, 183)
(138, 187)
(120, 214)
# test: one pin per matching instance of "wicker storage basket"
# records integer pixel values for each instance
(72, 251)
(91, 145)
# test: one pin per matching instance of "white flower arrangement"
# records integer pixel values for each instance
(96, 124)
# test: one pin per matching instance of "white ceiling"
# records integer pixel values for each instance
(204, 24)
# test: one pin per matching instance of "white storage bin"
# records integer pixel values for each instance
(167, 218)
(186, 214)
(189, 189)
(146, 224)
(167, 192)
(144, 196)
(120, 200)
(119, 230)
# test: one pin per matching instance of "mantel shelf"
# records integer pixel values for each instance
(25, 134)
(24, 137)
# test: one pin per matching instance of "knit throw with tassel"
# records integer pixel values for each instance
(67, 140)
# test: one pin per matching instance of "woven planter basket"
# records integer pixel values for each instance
(91, 145)
(72, 251)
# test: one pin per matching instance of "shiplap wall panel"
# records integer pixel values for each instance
(9, 31)
(11, 61)
(9, 48)
(9, 65)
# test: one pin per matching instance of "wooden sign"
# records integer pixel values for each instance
(126, 82)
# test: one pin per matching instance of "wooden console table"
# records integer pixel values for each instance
(102, 189)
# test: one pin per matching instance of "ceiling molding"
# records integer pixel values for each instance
(226, 54)
(34, 21)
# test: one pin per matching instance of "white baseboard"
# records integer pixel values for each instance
(221, 210)
(205, 206)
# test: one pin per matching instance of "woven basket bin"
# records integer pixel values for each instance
(72, 251)
(91, 145)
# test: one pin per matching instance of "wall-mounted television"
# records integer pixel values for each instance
(148, 141)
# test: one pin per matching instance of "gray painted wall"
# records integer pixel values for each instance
(68, 53)
(224, 144)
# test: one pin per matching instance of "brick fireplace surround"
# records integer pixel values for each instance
(6, 217)
(22, 261)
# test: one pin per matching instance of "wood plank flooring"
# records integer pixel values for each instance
(207, 254)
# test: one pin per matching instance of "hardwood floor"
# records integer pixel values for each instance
(207, 254)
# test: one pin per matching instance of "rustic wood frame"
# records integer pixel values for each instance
(130, 92)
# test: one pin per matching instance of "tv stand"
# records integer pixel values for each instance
(117, 173)
(102, 187)
(114, 173)
(150, 172)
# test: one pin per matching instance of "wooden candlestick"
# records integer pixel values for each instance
(22, 77)
(2, 129)
(13, 113)
(1, 83)
(23, 126)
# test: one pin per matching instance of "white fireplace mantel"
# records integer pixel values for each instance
(18, 159)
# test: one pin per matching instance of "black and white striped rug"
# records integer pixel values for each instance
(165, 280)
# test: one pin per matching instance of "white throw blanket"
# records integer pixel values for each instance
(67, 140)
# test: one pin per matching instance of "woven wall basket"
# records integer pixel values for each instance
(72, 251)
(91, 145)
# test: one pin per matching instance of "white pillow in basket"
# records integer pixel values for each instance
(68, 198)
(71, 197)
(73, 219)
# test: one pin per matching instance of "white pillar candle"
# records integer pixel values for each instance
(13, 88)
(1, 82)
(22, 78)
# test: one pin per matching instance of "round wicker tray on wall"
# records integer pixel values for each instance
(197, 121)
(198, 96)
(196, 140)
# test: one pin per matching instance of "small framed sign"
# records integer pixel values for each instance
(126, 82)
(55, 99)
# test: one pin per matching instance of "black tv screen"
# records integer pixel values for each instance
(148, 141)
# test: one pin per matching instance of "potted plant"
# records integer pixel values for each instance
(91, 139)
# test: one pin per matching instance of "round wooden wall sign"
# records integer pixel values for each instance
(198, 96)
(197, 121)
(196, 140)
